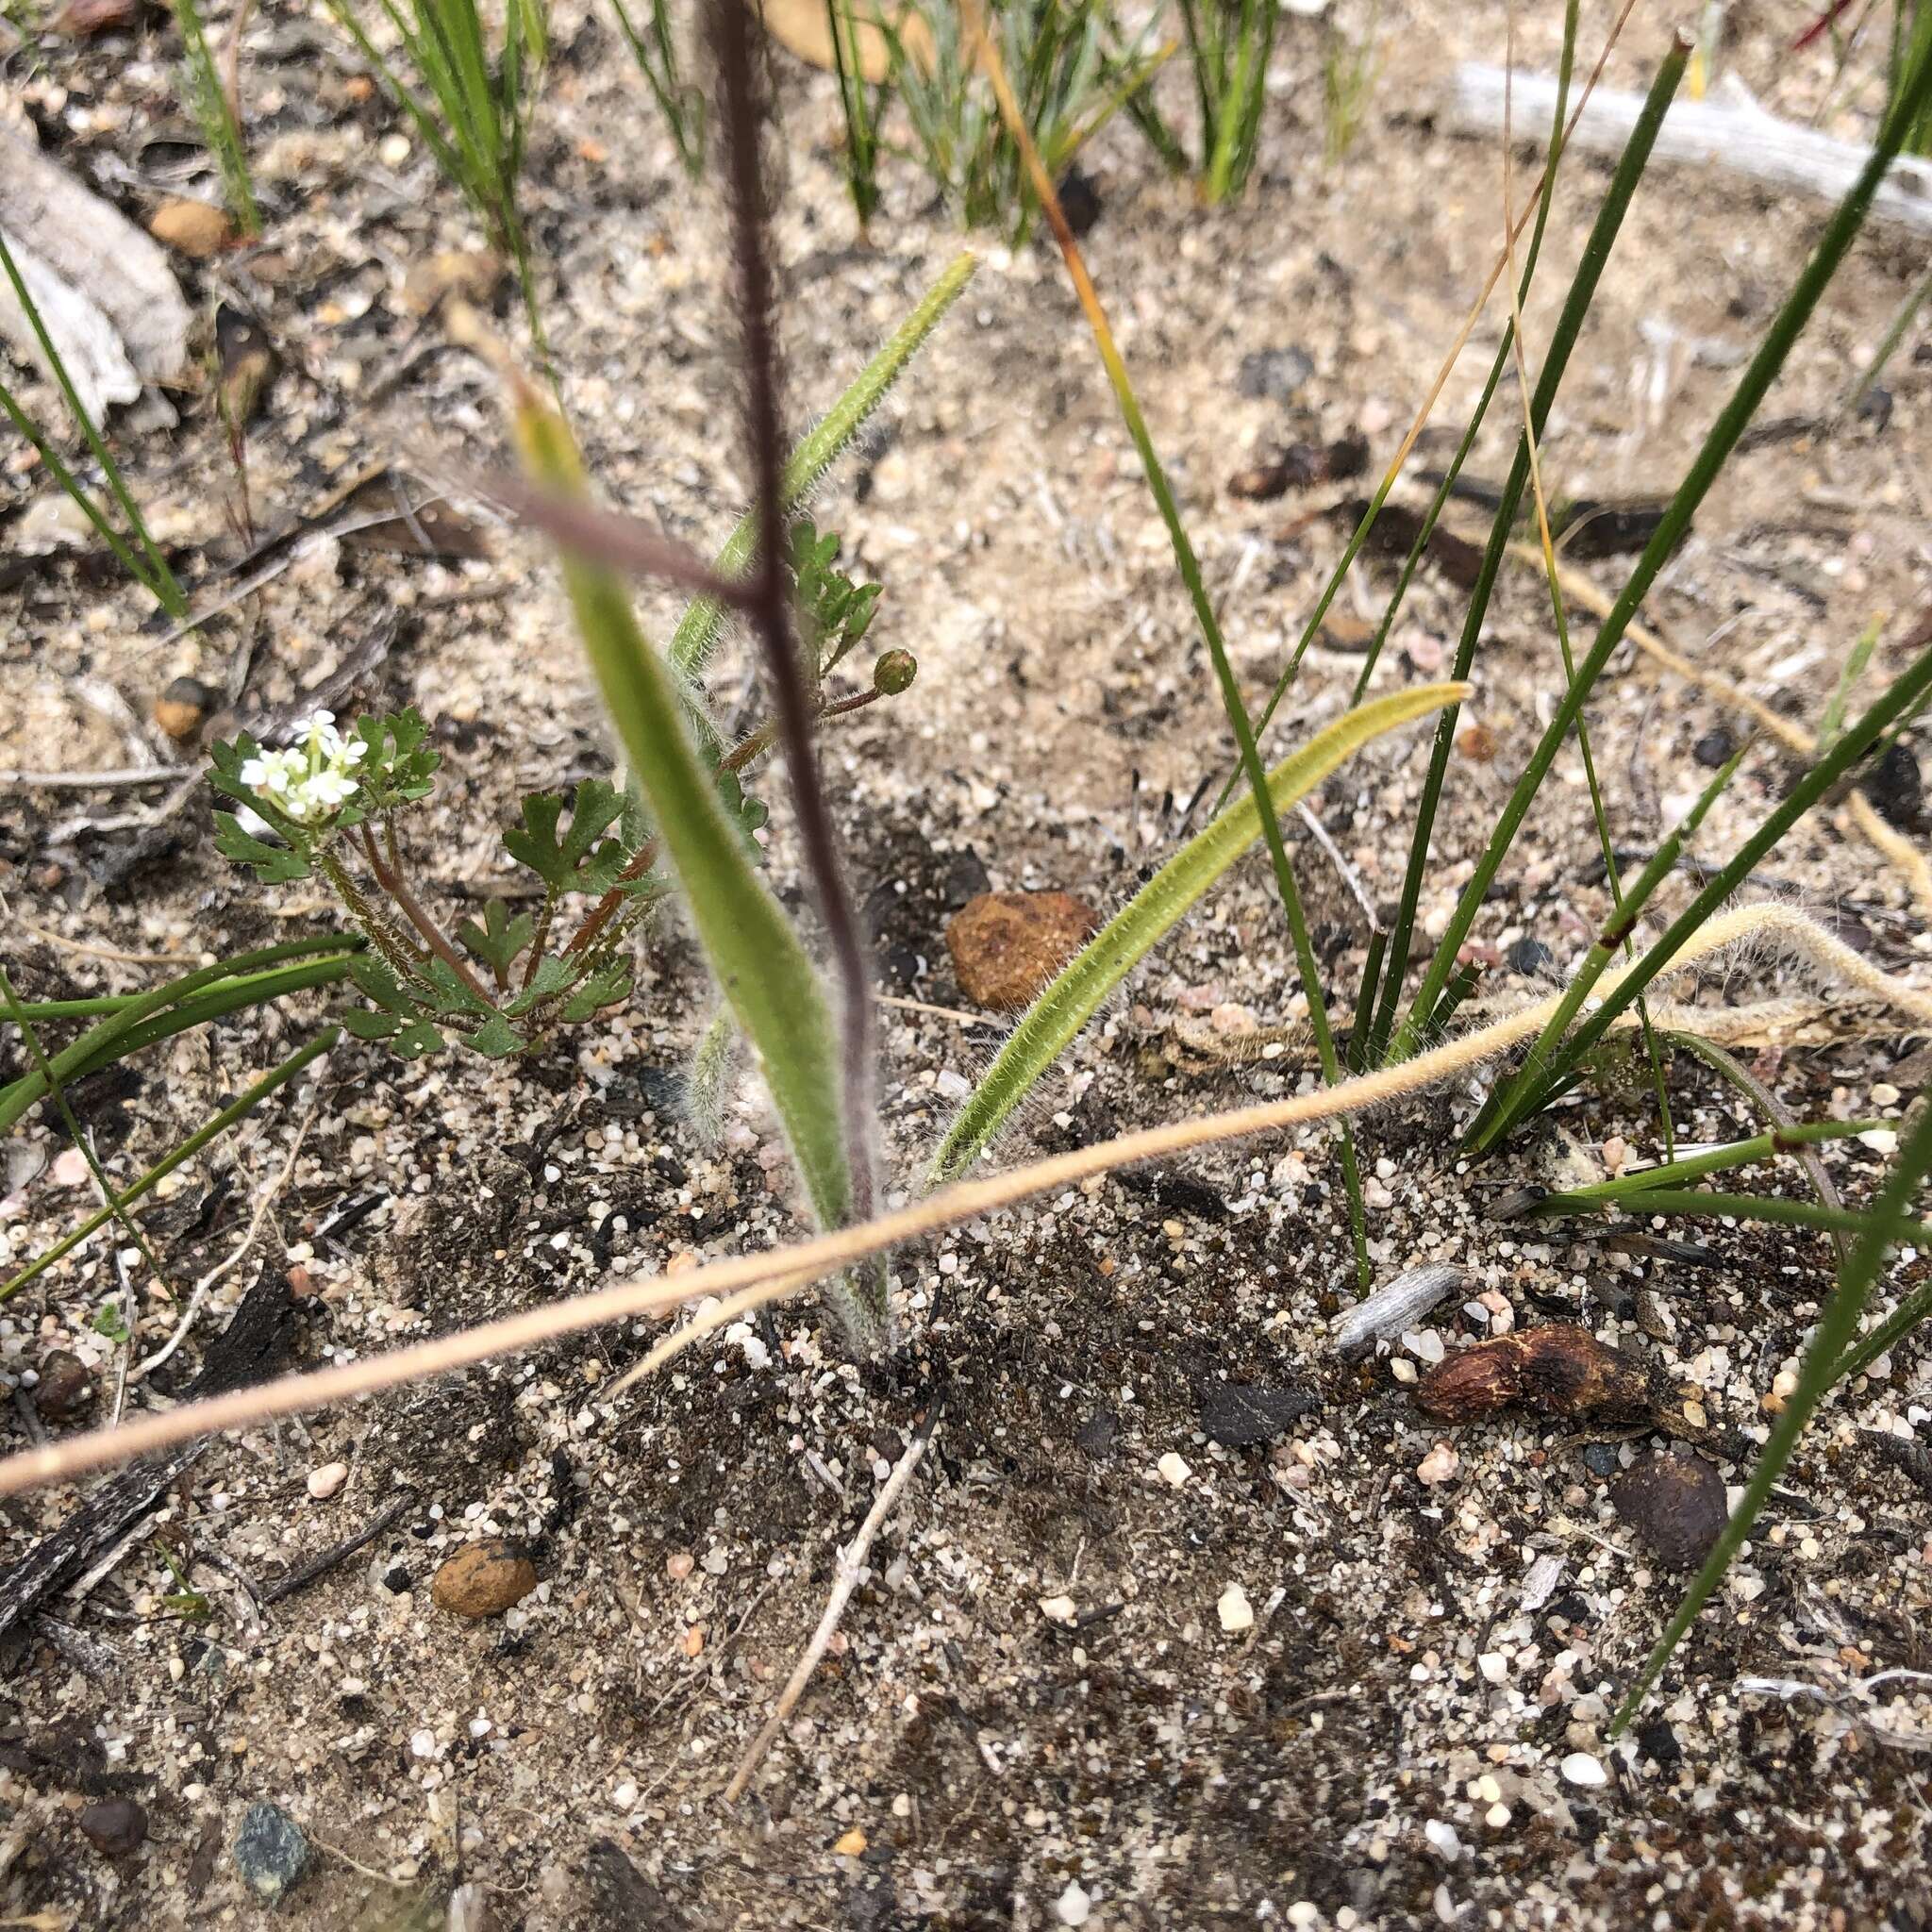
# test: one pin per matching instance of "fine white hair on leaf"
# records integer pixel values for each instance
(708, 1081)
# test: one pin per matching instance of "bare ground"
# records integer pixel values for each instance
(1383, 1747)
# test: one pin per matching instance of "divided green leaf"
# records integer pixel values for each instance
(499, 939)
(574, 860)
(273, 865)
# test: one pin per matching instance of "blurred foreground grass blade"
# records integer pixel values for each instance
(1823, 1367)
(1066, 1005)
(762, 965)
(1732, 420)
(692, 642)
(1577, 304)
(210, 1130)
(152, 570)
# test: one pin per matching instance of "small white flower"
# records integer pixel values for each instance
(273, 771)
(329, 788)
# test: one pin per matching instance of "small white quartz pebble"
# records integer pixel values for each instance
(1236, 1612)
(1442, 1835)
(326, 1481)
(1073, 1905)
(1580, 1768)
(1175, 1469)
(1057, 1609)
(1439, 1465)
(1495, 1667)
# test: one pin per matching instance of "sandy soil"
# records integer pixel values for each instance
(1386, 1745)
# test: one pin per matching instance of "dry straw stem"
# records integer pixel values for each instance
(783, 1271)
(1888, 841)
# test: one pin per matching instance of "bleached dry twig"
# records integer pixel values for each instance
(851, 1572)
(1735, 135)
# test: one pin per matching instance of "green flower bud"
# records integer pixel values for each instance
(894, 673)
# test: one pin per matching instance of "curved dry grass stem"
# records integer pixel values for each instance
(1890, 843)
(783, 1271)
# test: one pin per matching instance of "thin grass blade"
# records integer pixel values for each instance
(1731, 423)
(1830, 1343)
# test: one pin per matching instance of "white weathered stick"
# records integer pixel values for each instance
(105, 290)
(1738, 137)
(851, 1571)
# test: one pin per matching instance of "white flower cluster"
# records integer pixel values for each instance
(314, 776)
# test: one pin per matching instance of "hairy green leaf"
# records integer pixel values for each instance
(1071, 1001)
(760, 962)
(692, 642)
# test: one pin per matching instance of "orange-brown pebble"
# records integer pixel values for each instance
(1005, 946)
(483, 1579)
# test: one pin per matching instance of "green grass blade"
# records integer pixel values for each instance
(452, 165)
(215, 115)
(1359, 536)
(136, 567)
(1845, 754)
(1909, 1314)
(1733, 1154)
(762, 965)
(1857, 659)
(1831, 1341)
(225, 997)
(109, 1040)
(210, 1130)
(1066, 1005)
(1711, 459)
(116, 1206)
(1772, 1210)
(1577, 304)
(1733, 1072)
(1530, 1087)
(692, 642)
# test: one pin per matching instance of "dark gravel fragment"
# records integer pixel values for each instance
(116, 1828)
(271, 1852)
(1273, 374)
(1676, 1504)
(1099, 1434)
(1240, 1416)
